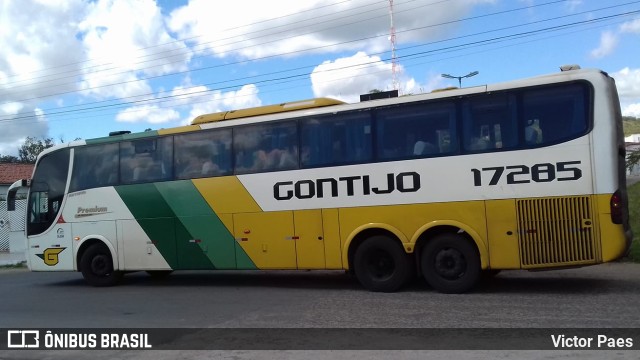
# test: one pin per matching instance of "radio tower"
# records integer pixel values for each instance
(392, 38)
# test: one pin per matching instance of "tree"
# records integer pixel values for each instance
(9, 159)
(28, 152)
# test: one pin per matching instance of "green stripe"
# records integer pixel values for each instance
(108, 139)
(201, 222)
(159, 222)
(188, 234)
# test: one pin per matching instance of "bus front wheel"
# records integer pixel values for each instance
(96, 265)
(381, 264)
(450, 263)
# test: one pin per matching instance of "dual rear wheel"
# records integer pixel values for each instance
(449, 263)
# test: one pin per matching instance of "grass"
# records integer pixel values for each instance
(20, 265)
(634, 220)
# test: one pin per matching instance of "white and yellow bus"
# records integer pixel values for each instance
(526, 174)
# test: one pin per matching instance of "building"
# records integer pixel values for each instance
(632, 144)
(10, 173)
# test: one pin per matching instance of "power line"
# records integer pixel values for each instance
(193, 37)
(288, 53)
(299, 75)
(228, 38)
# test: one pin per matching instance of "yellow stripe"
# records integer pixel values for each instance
(612, 237)
(226, 195)
(178, 130)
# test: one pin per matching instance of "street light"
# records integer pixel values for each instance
(460, 77)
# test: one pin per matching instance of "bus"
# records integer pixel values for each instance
(449, 186)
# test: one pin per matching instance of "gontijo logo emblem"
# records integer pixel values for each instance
(50, 255)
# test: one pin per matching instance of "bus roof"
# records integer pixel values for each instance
(264, 110)
(317, 105)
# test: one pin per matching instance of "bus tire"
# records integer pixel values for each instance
(450, 264)
(96, 265)
(381, 264)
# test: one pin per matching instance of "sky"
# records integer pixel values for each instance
(80, 69)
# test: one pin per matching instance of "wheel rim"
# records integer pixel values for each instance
(380, 265)
(100, 265)
(450, 264)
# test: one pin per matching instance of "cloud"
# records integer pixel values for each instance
(126, 41)
(628, 82)
(573, 5)
(349, 77)
(194, 100)
(609, 39)
(40, 54)
(32, 123)
(631, 110)
(151, 114)
(216, 101)
(253, 29)
(628, 85)
(608, 42)
(631, 27)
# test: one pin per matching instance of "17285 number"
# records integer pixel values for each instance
(523, 174)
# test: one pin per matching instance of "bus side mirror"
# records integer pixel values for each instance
(11, 200)
(13, 190)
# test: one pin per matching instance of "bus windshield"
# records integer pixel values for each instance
(47, 191)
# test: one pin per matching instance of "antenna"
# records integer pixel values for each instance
(392, 38)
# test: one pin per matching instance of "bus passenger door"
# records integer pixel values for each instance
(50, 250)
(267, 238)
(309, 239)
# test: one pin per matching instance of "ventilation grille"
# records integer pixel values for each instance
(555, 232)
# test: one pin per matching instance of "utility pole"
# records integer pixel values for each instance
(394, 60)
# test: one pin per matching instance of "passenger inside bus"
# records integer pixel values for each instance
(533, 132)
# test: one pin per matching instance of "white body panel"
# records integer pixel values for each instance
(95, 214)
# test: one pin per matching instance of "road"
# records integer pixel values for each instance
(603, 296)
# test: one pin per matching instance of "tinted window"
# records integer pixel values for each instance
(416, 131)
(146, 160)
(203, 154)
(336, 140)
(553, 114)
(94, 166)
(266, 147)
(489, 123)
(47, 191)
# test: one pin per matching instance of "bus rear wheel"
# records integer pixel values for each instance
(96, 265)
(381, 264)
(450, 264)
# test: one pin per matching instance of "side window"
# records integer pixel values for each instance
(416, 131)
(554, 114)
(336, 139)
(146, 160)
(203, 154)
(489, 123)
(265, 147)
(94, 166)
